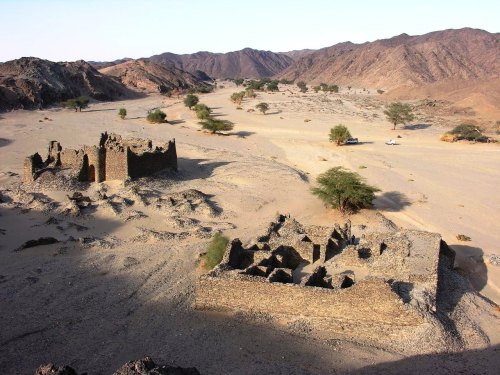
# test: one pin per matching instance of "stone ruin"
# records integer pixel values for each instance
(367, 286)
(115, 158)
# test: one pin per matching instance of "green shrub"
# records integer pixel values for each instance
(237, 97)
(263, 107)
(122, 112)
(215, 251)
(77, 103)
(215, 125)
(469, 132)
(339, 134)
(302, 86)
(344, 190)
(191, 100)
(399, 113)
(157, 116)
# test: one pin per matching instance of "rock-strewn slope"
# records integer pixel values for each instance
(145, 75)
(31, 82)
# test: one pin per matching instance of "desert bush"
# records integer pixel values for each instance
(285, 81)
(263, 107)
(215, 125)
(316, 88)
(215, 251)
(77, 104)
(122, 112)
(339, 134)
(249, 93)
(237, 97)
(239, 81)
(463, 237)
(344, 190)
(157, 116)
(469, 132)
(202, 89)
(272, 86)
(302, 86)
(191, 100)
(399, 113)
(257, 85)
(380, 91)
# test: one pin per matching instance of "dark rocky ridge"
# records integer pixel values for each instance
(30, 83)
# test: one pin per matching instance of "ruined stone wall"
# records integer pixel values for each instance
(371, 302)
(31, 165)
(116, 165)
(148, 163)
(96, 162)
(72, 158)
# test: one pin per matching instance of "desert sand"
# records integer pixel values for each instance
(125, 288)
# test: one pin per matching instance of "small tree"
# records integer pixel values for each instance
(191, 100)
(468, 132)
(339, 134)
(215, 125)
(77, 103)
(272, 86)
(263, 107)
(399, 113)
(203, 114)
(316, 88)
(302, 86)
(237, 97)
(201, 106)
(239, 81)
(344, 190)
(215, 251)
(122, 112)
(157, 116)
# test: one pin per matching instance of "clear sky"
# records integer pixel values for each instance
(67, 30)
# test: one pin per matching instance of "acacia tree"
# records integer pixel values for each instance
(344, 190)
(399, 113)
(302, 86)
(263, 107)
(191, 100)
(237, 97)
(239, 81)
(339, 134)
(77, 103)
(216, 125)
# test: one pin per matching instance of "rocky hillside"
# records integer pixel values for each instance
(145, 75)
(31, 82)
(411, 61)
(247, 63)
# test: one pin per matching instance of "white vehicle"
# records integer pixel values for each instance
(352, 141)
(391, 142)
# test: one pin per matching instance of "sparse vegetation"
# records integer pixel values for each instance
(202, 111)
(191, 100)
(77, 103)
(467, 132)
(272, 86)
(463, 237)
(237, 97)
(157, 116)
(339, 134)
(122, 112)
(284, 81)
(344, 190)
(239, 81)
(250, 93)
(263, 107)
(302, 86)
(215, 251)
(399, 113)
(216, 125)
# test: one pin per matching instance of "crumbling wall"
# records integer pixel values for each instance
(116, 164)
(31, 165)
(370, 303)
(148, 163)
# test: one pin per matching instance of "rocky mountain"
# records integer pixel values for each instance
(145, 75)
(31, 82)
(247, 63)
(410, 61)
(104, 64)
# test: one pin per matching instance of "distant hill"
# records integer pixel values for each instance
(104, 64)
(247, 63)
(145, 75)
(465, 54)
(31, 82)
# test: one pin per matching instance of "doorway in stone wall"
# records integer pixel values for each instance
(91, 173)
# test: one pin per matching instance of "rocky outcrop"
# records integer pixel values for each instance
(145, 366)
(30, 83)
(145, 75)
(247, 63)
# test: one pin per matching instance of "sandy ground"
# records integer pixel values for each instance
(125, 288)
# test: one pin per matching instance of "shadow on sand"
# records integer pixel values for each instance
(4, 142)
(416, 126)
(391, 201)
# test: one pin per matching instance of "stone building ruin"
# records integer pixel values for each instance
(373, 287)
(115, 158)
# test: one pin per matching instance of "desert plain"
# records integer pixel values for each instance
(125, 288)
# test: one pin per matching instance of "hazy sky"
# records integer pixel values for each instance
(110, 29)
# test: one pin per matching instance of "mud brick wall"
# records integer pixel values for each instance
(72, 158)
(371, 301)
(148, 163)
(31, 164)
(116, 165)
